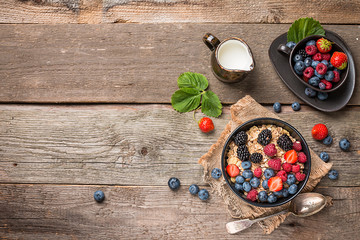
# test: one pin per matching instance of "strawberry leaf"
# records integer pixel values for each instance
(211, 105)
(304, 27)
(193, 80)
(186, 99)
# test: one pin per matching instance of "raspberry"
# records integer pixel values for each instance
(282, 174)
(297, 146)
(321, 68)
(311, 50)
(309, 71)
(252, 195)
(326, 56)
(336, 76)
(295, 168)
(305, 79)
(317, 57)
(270, 150)
(258, 172)
(275, 164)
(300, 176)
(287, 167)
(302, 157)
(328, 85)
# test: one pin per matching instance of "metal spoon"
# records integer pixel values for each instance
(305, 204)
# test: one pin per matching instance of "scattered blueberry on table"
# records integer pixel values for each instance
(194, 189)
(333, 174)
(277, 107)
(295, 106)
(344, 144)
(290, 44)
(203, 194)
(216, 173)
(99, 196)
(328, 140)
(324, 156)
(174, 183)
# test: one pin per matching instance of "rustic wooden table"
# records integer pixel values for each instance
(86, 107)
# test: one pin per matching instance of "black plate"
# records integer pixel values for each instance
(337, 99)
(293, 132)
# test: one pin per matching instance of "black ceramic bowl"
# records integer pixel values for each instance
(293, 132)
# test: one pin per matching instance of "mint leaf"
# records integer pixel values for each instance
(211, 104)
(193, 80)
(186, 99)
(304, 27)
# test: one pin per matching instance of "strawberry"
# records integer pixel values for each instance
(232, 170)
(323, 45)
(339, 60)
(206, 124)
(275, 184)
(319, 131)
(291, 156)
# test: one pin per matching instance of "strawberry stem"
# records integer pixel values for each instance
(195, 112)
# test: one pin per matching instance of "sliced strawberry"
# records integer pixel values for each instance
(232, 170)
(291, 156)
(275, 184)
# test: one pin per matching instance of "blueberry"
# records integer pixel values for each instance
(291, 179)
(246, 164)
(325, 62)
(255, 182)
(329, 76)
(297, 58)
(203, 194)
(314, 64)
(311, 42)
(322, 85)
(247, 174)
(174, 183)
(240, 179)
(322, 96)
(194, 189)
(324, 156)
(262, 196)
(265, 184)
(307, 62)
(339, 71)
(272, 198)
(99, 196)
(268, 173)
(299, 66)
(300, 73)
(246, 186)
(310, 92)
(295, 106)
(344, 144)
(216, 173)
(285, 192)
(238, 186)
(330, 67)
(328, 140)
(318, 74)
(314, 81)
(278, 193)
(333, 174)
(290, 44)
(277, 107)
(293, 188)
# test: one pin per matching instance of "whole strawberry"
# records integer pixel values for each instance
(339, 60)
(323, 45)
(206, 124)
(319, 131)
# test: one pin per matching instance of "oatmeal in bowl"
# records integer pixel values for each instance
(266, 162)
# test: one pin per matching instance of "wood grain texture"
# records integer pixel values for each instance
(70, 212)
(122, 63)
(161, 11)
(138, 144)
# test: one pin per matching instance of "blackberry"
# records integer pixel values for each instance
(285, 142)
(256, 157)
(303, 53)
(243, 153)
(240, 138)
(264, 137)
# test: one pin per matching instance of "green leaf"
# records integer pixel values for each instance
(304, 27)
(211, 105)
(186, 99)
(193, 80)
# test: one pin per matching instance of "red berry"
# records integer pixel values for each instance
(321, 68)
(270, 150)
(309, 71)
(317, 57)
(326, 56)
(323, 45)
(305, 79)
(328, 85)
(311, 50)
(232, 170)
(275, 164)
(336, 76)
(206, 124)
(295, 168)
(258, 172)
(339, 60)
(291, 156)
(275, 184)
(282, 174)
(252, 195)
(297, 146)
(302, 157)
(300, 176)
(319, 131)
(287, 167)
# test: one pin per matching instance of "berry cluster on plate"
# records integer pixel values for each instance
(265, 163)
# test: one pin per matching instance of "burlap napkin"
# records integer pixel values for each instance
(246, 109)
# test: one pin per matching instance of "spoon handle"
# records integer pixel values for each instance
(238, 226)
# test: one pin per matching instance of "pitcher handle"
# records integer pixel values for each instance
(211, 41)
(284, 49)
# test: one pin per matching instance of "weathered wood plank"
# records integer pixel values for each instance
(123, 63)
(110, 11)
(70, 212)
(137, 144)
